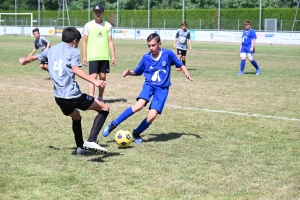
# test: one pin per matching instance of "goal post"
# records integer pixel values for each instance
(18, 28)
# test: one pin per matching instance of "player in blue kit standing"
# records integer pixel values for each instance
(156, 67)
(63, 65)
(247, 48)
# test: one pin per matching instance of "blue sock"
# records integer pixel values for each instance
(254, 63)
(242, 65)
(142, 127)
(125, 114)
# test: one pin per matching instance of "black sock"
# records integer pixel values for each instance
(183, 62)
(76, 126)
(98, 123)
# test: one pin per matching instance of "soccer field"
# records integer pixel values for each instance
(223, 136)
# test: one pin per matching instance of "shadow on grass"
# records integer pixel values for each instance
(89, 153)
(163, 137)
(115, 100)
(250, 73)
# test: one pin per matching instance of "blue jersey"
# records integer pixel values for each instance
(157, 71)
(61, 58)
(248, 36)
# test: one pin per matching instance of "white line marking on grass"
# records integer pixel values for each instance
(185, 108)
(210, 51)
(235, 113)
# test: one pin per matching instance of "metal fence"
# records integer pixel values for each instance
(195, 24)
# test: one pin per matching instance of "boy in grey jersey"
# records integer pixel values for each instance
(180, 43)
(42, 44)
(63, 65)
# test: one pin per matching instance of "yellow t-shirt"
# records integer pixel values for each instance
(97, 44)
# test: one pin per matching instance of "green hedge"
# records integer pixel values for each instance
(231, 19)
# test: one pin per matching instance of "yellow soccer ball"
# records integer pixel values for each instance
(123, 138)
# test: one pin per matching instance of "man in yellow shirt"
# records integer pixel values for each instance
(98, 48)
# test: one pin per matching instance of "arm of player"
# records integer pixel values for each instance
(84, 42)
(190, 41)
(128, 72)
(252, 45)
(33, 51)
(175, 40)
(112, 50)
(186, 73)
(28, 59)
(99, 83)
(48, 45)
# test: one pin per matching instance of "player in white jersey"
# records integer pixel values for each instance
(63, 65)
(181, 43)
(40, 43)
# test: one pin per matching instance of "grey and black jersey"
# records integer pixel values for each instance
(182, 38)
(61, 58)
(41, 43)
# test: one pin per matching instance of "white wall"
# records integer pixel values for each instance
(142, 34)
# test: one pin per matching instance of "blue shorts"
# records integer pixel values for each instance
(246, 49)
(159, 94)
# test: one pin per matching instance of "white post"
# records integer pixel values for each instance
(260, 15)
(183, 10)
(148, 14)
(39, 17)
(16, 12)
(117, 13)
(63, 14)
(89, 11)
(219, 7)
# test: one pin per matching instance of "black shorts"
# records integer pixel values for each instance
(97, 66)
(181, 52)
(44, 62)
(68, 106)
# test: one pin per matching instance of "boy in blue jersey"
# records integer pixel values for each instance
(63, 65)
(247, 48)
(156, 67)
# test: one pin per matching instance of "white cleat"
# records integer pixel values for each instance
(94, 146)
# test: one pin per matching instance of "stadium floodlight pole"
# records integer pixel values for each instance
(219, 7)
(183, 10)
(148, 14)
(260, 15)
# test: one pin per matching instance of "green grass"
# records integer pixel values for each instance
(222, 136)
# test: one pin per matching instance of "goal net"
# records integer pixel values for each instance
(16, 24)
(271, 25)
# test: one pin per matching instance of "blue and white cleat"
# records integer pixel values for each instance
(108, 129)
(258, 71)
(240, 73)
